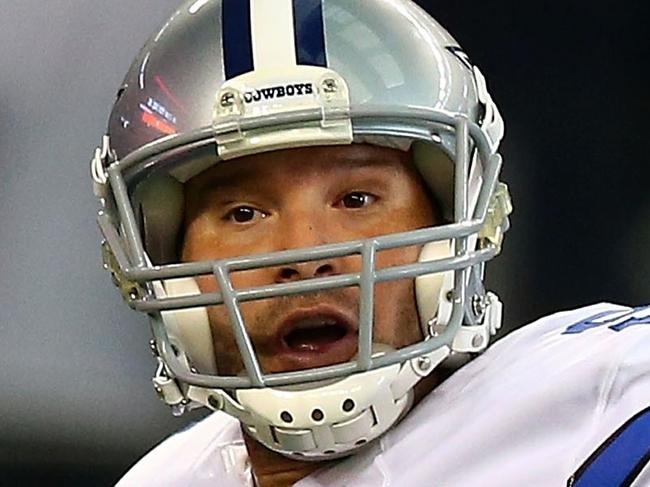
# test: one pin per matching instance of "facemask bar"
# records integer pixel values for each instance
(142, 275)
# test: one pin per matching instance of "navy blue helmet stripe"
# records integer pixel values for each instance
(237, 40)
(309, 32)
(619, 461)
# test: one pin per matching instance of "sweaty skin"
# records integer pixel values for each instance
(299, 198)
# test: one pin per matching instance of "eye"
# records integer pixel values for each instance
(357, 200)
(244, 214)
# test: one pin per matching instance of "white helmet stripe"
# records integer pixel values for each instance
(273, 40)
(251, 42)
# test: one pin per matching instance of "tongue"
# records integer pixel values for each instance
(313, 339)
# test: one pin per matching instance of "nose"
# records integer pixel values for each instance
(304, 226)
(305, 270)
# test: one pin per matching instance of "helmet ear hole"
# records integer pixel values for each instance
(160, 200)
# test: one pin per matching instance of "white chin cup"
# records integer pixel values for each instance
(330, 419)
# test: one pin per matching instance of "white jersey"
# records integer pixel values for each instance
(563, 401)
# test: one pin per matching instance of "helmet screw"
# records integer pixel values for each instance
(330, 86)
(227, 99)
(477, 341)
(421, 366)
(424, 363)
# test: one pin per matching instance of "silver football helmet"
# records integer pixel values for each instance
(227, 78)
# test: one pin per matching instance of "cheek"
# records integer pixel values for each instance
(206, 239)
(226, 352)
(207, 284)
(396, 316)
(229, 361)
(399, 256)
(239, 280)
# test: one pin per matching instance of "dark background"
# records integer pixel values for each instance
(76, 405)
(571, 81)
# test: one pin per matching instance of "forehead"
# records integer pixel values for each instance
(304, 161)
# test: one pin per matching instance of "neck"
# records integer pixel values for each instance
(274, 470)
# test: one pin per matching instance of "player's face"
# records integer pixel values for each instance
(300, 198)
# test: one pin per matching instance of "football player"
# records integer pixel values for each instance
(302, 195)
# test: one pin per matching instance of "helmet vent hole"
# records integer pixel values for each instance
(286, 417)
(361, 442)
(317, 415)
(348, 405)
(329, 452)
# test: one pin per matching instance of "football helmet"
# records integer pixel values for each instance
(227, 78)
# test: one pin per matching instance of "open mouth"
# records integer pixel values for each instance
(316, 332)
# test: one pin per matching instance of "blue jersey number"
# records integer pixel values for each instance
(614, 320)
